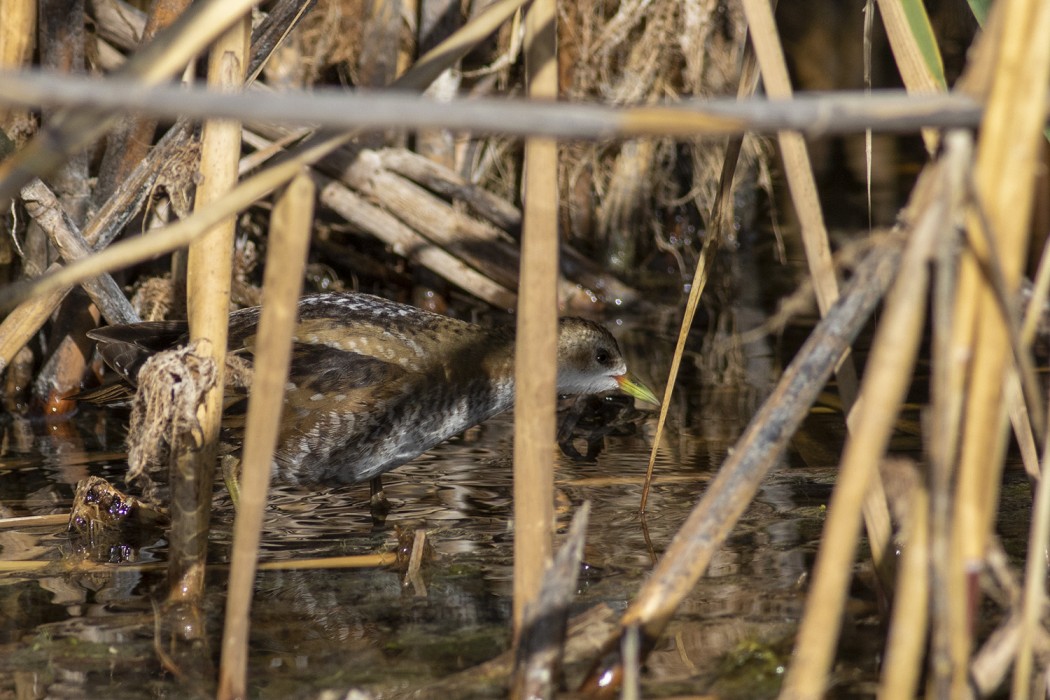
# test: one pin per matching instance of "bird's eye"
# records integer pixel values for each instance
(602, 356)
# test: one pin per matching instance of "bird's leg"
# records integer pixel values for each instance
(378, 504)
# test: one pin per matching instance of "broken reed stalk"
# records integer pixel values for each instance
(535, 357)
(162, 58)
(756, 452)
(936, 202)
(208, 279)
(477, 243)
(288, 243)
(538, 657)
(450, 184)
(403, 239)
(803, 188)
(44, 208)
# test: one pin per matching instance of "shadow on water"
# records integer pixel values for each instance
(72, 632)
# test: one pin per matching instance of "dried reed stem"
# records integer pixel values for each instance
(16, 42)
(286, 257)
(906, 638)
(1034, 77)
(1007, 156)
(721, 221)
(16, 32)
(209, 275)
(536, 345)
(48, 566)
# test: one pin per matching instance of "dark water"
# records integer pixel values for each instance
(91, 633)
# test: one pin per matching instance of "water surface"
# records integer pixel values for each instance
(70, 633)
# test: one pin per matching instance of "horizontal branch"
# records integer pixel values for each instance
(812, 114)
